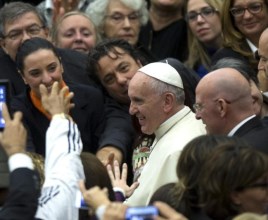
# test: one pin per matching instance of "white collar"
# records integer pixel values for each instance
(252, 46)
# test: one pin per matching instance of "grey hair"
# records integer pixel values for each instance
(14, 10)
(97, 10)
(160, 88)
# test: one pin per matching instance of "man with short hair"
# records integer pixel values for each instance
(157, 100)
(224, 104)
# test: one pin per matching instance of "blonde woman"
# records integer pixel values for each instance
(204, 32)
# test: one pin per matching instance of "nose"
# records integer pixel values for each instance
(25, 36)
(247, 14)
(197, 115)
(132, 109)
(121, 79)
(78, 36)
(126, 22)
(47, 79)
(199, 18)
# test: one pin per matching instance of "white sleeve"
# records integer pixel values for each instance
(63, 170)
(20, 160)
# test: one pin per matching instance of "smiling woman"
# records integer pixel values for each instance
(75, 30)
(39, 63)
(242, 23)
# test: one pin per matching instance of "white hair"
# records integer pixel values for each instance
(98, 8)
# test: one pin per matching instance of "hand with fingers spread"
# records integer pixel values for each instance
(167, 212)
(58, 100)
(119, 179)
(95, 196)
(13, 138)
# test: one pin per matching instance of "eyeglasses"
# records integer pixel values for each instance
(119, 18)
(18, 34)
(253, 8)
(198, 107)
(204, 12)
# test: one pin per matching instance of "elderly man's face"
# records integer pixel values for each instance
(115, 72)
(146, 104)
(19, 30)
(121, 22)
(205, 107)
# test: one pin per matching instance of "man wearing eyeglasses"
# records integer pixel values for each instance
(225, 105)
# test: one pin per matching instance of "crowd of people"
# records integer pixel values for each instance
(129, 106)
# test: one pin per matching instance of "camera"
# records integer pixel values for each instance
(141, 213)
(4, 98)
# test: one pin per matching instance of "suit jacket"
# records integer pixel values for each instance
(88, 113)
(255, 133)
(23, 195)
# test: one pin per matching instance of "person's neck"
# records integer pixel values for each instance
(161, 18)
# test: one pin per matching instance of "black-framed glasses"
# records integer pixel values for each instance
(32, 31)
(204, 12)
(253, 8)
(119, 18)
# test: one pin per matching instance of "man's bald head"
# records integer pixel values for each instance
(223, 99)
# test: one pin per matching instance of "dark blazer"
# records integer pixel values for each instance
(88, 113)
(23, 195)
(255, 133)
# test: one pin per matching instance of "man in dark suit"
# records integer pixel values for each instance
(20, 21)
(225, 105)
(23, 183)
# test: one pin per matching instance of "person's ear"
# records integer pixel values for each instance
(169, 99)
(235, 198)
(222, 107)
(22, 76)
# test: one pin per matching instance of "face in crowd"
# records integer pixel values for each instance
(75, 31)
(121, 22)
(42, 66)
(115, 71)
(250, 17)
(204, 22)
(17, 31)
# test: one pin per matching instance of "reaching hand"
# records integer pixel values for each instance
(108, 154)
(56, 101)
(13, 138)
(119, 179)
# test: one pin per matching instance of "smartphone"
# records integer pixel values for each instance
(141, 213)
(4, 98)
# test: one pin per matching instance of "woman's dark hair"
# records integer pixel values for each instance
(30, 46)
(230, 168)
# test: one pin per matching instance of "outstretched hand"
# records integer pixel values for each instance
(13, 138)
(119, 179)
(58, 100)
